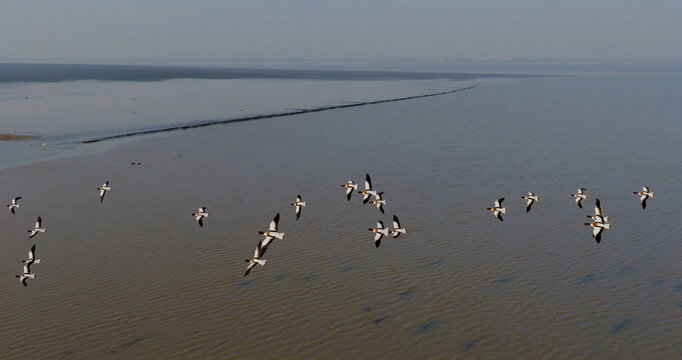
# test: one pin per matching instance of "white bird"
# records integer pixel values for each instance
(44, 145)
(37, 228)
(350, 186)
(25, 276)
(256, 260)
(14, 204)
(597, 228)
(598, 213)
(497, 209)
(379, 232)
(272, 233)
(530, 199)
(103, 190)
(644, 195)
(580, 196)
(379, 202)
(31, 258)
(298, 204)
(368, 190)
(397, 230)
(200, 215)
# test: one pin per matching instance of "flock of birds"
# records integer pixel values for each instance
(599, 222)
(273, 231)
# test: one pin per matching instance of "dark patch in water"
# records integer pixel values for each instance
(659, 282)
(468, 345)
(678, 288)
(311, 277)
(504, 280)
(369, 308)
(127, 344)
(67, 354)
(621, 326)
(348, 268)
(405, 294)
(281, 277)
(426, 326)
(680, 304)
(626, 270)
(132, 342)
(435, 262)
(586, 280)
(246, 283)
(379, 320)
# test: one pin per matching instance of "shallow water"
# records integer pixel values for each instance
(135, 277)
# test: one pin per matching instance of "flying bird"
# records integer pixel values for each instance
(31, 258)
(25, 276)
(368, 190)
(598, 213)
(103, 190)
(597, 229)
(272, 233)
(530, 200)
(350, 186)
(37, 228)
(298, 204)
(379, 202)
(579, 196)
(14, 204)
(200, 215)
(497, 209)
(644, 195)
(256, 260)
(397, 230)
(379, 232)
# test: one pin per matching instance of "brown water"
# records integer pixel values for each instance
(135, 277)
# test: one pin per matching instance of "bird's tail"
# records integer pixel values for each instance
(260, 262)
(278, 235)
(606, 226)
(32, 276)
(302, 203)
(503, 210)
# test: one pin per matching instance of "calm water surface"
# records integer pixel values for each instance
(135, 277)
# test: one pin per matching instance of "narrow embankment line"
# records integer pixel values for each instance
(269, 116)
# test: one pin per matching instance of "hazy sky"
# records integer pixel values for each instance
(351, 29)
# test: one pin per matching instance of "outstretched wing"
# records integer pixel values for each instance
(274, 224)
(368, 182)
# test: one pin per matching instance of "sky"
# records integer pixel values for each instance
(351, 29)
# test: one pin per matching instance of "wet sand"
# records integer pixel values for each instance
(136, 277)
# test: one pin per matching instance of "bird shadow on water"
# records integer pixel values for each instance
(626, 270)
(380, 320)
(434, 263)
(246, 283)
(586, 279)
(426, 326)
(348, 268)
(469, 344)
(659, 282)
(371, 307)
(280, 277)
(405, 294)
(127, 344)
(624, 324)
(504, 280)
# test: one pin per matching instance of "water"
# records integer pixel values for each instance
(64, 105)
(135, 277)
